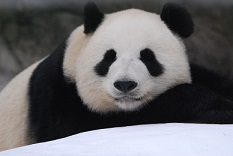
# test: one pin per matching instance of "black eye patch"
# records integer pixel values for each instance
(103, 66)
(148, 58)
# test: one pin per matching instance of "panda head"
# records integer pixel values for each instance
(128, 58)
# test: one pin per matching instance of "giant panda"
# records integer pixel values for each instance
(119, 69)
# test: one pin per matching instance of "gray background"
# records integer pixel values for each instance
(31, 29)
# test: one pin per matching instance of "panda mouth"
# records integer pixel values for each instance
(127, 99)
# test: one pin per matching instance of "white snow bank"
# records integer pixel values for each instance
(143, 140)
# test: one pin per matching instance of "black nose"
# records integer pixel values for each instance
(125, 86)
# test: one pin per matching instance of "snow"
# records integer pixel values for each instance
(156, 139)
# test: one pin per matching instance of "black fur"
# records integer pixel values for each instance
(102, 67)
(178, 19)
(92, 17)
(152, 64)
(57, 111)
(221, 85)
(46, 97)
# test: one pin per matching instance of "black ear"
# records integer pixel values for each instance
(92, 17)
(178, 19)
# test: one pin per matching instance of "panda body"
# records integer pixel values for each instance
(108, 74)
(14, 111)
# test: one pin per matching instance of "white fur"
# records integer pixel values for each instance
(128, 32)
(14, 111)
(75, 43)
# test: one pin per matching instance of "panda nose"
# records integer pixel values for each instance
(125, 86)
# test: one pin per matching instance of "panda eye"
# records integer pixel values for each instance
(148, 58)
(103, 66)
(110, 55)
(147, 55)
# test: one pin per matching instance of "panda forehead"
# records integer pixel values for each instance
(130, 17)
(133, 23)
(131, 30)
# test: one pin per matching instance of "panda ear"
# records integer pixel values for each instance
(92, 17)
(178, 19)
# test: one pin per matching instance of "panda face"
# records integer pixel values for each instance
(128, 61)
(128, 76)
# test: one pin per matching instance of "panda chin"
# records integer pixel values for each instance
(129, 103)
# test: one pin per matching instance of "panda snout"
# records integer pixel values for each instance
(125, 86)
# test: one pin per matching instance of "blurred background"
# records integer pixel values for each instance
(31, 29)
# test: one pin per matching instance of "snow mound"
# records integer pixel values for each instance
(156, 139)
